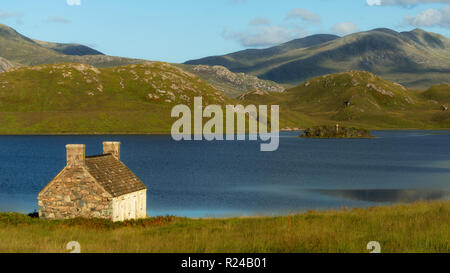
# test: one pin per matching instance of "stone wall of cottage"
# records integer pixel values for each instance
(74, 193)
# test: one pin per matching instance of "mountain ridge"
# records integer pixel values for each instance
(21, 50)
(69, 48)
(417, 59)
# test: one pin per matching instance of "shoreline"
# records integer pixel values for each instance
(412, 228)
(342, 209)
(168, 134)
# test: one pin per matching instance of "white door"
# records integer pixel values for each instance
(121, 210)
(133, 202)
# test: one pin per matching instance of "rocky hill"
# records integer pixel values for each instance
(77, 98)
(5, 64)
(232, 84)
(354, 98)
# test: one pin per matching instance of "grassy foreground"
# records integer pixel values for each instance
(419, 227)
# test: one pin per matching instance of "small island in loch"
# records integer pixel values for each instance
(336, 132)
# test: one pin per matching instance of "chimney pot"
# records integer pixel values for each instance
(111, 147)
(76, 154)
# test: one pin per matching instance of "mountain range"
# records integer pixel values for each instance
(70, 88)
(19, 50)
(416, 59)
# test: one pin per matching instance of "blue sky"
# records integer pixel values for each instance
(179, 30)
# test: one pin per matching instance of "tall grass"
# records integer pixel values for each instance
(419, 227)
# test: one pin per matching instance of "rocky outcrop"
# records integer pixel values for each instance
(335, 132)
(248, 94)
(239, 80)
(5, 64)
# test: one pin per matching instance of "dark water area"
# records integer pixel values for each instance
(218, 179)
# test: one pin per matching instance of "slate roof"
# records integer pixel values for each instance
(114, 176)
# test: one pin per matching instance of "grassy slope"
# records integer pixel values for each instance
(420, 227)
(439, 93)
(374, 103)
(73, 98)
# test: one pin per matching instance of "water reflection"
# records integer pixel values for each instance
(388, 195)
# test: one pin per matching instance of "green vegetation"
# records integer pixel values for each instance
(416, 59)
(77, 98)
(439, 93)
(419, 227)
(138, 98)
(64, 96)
(354, 99)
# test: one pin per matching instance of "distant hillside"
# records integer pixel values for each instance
(70, 49)
(19, 50)
(247, 60)
(416, 59)
(439, 93)
(77, 98)
(232, 84)
(354, 98)
(22, 50)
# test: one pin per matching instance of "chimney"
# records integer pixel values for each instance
(76, 154)
(113, 148)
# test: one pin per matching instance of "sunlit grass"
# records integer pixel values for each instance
(420, 227)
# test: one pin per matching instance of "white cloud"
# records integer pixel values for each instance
(10, 14)
(430, 18)
(74, 2)
(259, 21)
(344, 28)
(373, 2)
(18, 16)
(57, 19)
(264, 36)
(402, 2)
(303, 14)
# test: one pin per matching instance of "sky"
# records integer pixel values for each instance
(180, 30)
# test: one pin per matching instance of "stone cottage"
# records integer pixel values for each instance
(94, 187)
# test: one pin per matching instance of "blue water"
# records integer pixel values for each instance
(216, 179)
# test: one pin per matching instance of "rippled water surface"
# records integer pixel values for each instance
(214, 179)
